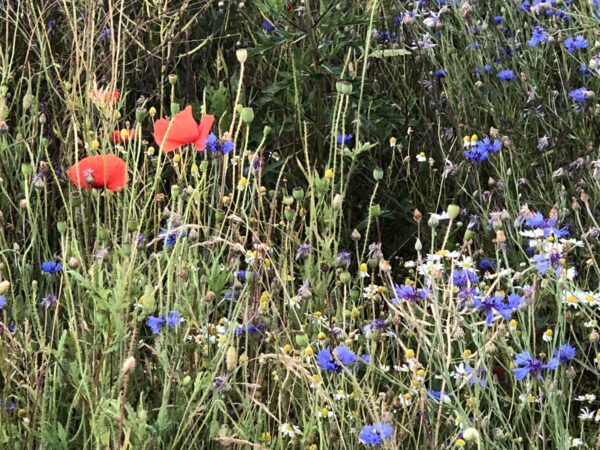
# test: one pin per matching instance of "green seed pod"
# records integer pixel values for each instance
(175, 108)
(453, 211)
(378, 173)
(343, 87)
(173, 79)
(247, 115)
(298, 194)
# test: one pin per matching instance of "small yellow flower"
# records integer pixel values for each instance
(474, 139)
(321, 336)
(547, 337)
(329, 174)
(124, 133)
(467, 353)
(242, 183)
(460, 443)
(308, 352)
(150, 151)
(409, 353)
(265, 437)
(95, 145)
(393, 141)
(177, 158)
(152, 111)
(287, 348)
(512, 325)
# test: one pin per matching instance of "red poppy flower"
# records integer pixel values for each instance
(99, 171)
(123, 136)
(182, 130)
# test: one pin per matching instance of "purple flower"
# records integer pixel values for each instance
(493, 305)
(344, 139)
(440, 73)
(156, 324)
(344, 258)
(50, 300)
(581, 95)
(576, 43)
(268, 27)
(408, 293)
(174, 318)
(375, 434)
(304, 250)
(464, 277)
(345, 355)
(51, 267)
(528, 365)
(327, 362)
(565, 353)
(2, 302)
(538, 36)
(507, 75)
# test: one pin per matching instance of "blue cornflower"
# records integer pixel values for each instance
(51, 267)
(487, 68)
(268, 27)
(50, 300)
(2, 302)
(507, 75)
(498, 19)
(576, 43)
(408, 293)
(344, 139)
(464, 277)
(344, 258)
(542, 264)
(528, 365)
(105, 34)
(249, 329)
(304, 250)
(476, 153)
(375, 434)
(581, 95)
(539, 35)
(488, 265)
(219, 146)
(548, 226)
(345, 355)
(565, 353)
(440, 73)
(156, 324)
(489, 146)
(227, 146)
(492, 305)
(327, 362)
(440, 396)
(174, 318)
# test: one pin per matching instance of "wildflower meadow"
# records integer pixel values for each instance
(306, 224)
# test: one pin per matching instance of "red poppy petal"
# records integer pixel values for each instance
(183, 130)
(108, 171)
(204, 129)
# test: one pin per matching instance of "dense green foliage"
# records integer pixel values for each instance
(384, 164)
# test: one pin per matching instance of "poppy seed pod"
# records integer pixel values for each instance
(247, 115)
(241, 55)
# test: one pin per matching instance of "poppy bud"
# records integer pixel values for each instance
(453, 211)
(231, 358)
(62, 227)
(73, 262)
(247, 115)
(266, 130)
(376, 210)
(140, 114)
(26, 169)
(298, 194)
(173, 78)
(377, 174)
(241, 55)
(343, 87)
